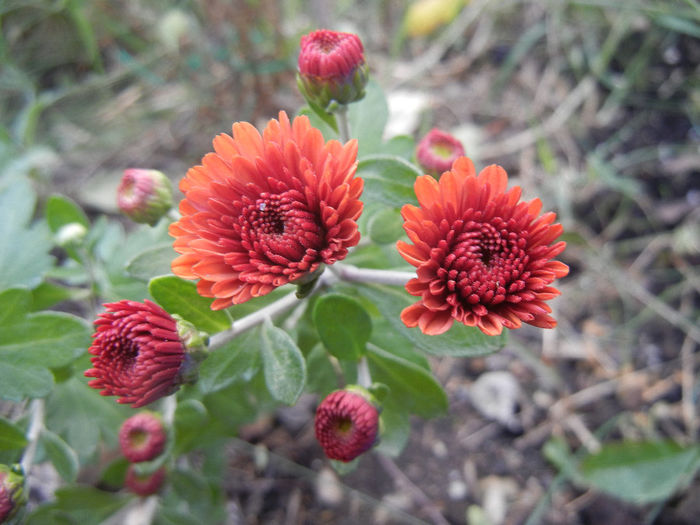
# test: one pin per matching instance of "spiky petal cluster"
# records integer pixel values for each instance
(483, 257)
(138, 354)
(144, 485)
(142, 437)
(144, 195)
(11, 492)
(437, 151)
(332, 67)
(346, 424)
(263, 211)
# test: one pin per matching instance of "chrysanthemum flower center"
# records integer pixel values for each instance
(279, 228)
(343, 426)
(138, 438)
(327, 42)
(485, 263)
(120, 348)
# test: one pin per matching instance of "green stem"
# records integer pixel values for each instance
(341, 116)
(343, 272)
(351, 273)
(364, 379)
(36, 425)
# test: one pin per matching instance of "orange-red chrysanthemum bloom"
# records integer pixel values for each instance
(263, 211)
(483, 257)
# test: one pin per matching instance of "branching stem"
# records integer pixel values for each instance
(343, 272)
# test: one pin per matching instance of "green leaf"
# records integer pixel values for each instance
(152, 262)
(19, 381)
(396, 429)
(49, 339)
(180, 297)
(14, 304)
(113, 474)
(64, 458)
(82, 417)
(412, 387)
(367, 119)
(33, 342)
(84, 505)
(343, 325)
(24, 256)
(283, 364)
(48, 294)
(11, 436)
(61, 211)
(321, 374)
(388, 180)
(458, 341)
(400, 146)
(641, 472)
(237, 360)
(386, 226)
(190, 416)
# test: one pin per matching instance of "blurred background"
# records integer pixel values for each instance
(591, 105)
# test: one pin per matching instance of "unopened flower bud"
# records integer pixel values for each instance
(70, 234)
(437, 151)
(425, 16)
(11, 492)
(332, 68)
(144, 485)
(142, 437)
(347, 423)
(138, 353)
(144, 195)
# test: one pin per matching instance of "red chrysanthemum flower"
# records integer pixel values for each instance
(263, 211)
(138, 354)
(332, 67)
(483, 257)
(145, 485)
(142, 437)
(346, 424)
(144, 195)
(437, 151)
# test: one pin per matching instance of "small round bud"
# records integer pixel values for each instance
(144, 195)
(11, 492)
(144, 485)
(347, 423)
(142, 437)
(332, 68)
(70, 234)
(437, 151)
(423, 17)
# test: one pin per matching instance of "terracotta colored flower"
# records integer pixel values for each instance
(144, 195)
(144, 485)
(138, 354)
(483, 257)
(346, 424)
(142, 437)
(437, 151)
(332, 67)
(263, 211)
(11, 492)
